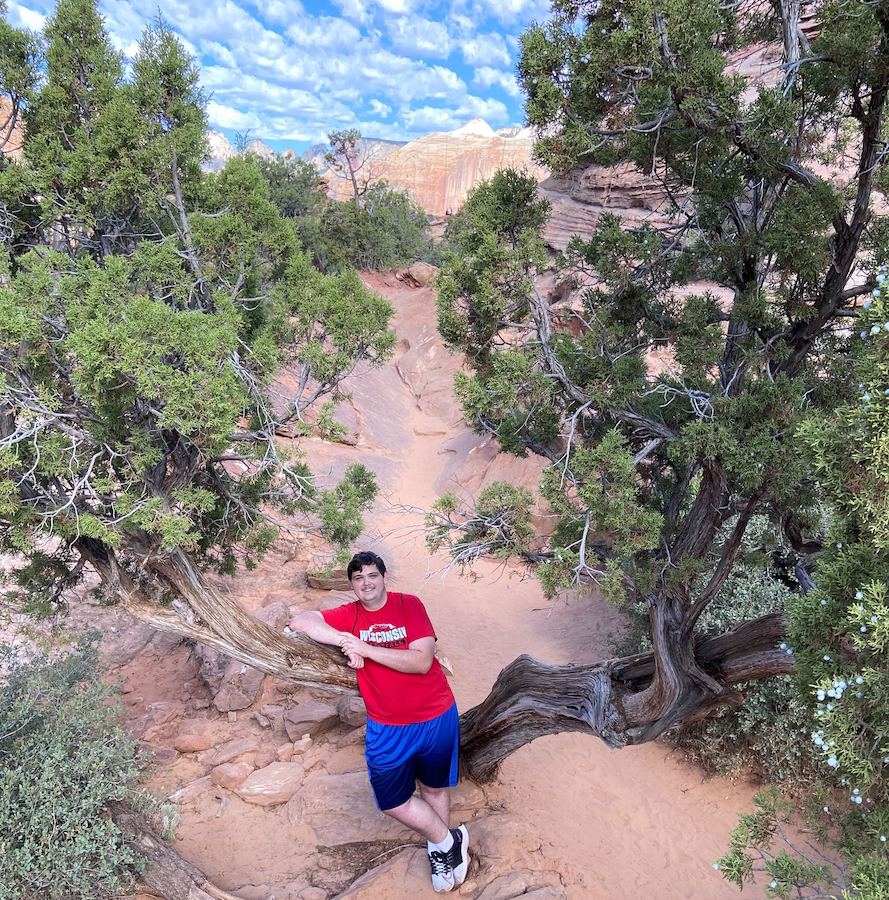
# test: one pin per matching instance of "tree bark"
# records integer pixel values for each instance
(611, 699)
(201, 613)
(166, 873)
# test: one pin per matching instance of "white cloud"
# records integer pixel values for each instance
(23, 17)
(380, 109)
(486, 49)
(489, 77)
(420, 36)
(435, 118)
(227, 117)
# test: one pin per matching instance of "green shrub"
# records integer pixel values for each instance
(63, 758)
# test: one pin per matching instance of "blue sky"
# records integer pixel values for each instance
(289, 72)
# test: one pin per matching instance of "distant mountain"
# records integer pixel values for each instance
(436, 170)
(439, 169)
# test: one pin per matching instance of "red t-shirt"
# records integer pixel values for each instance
(394, 698)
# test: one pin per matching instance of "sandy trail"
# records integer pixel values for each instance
(626, 824)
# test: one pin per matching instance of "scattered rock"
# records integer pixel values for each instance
(335, 580)
(263, 758)
(231, 775)
(276, 615)
(192, 790)
(351, 710)
(340, 809)
(284, 753)
(405, 875)
(420, 274)
(192, 738)
(274, 784)
(240, 687)
(309, 717)
(301, 745)
(272, 710)
(233, 749)
(353, 737)
(262, 721)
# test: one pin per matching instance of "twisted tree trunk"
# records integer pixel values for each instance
(618, 700)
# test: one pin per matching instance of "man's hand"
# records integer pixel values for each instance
(355, 661)
(353, 646)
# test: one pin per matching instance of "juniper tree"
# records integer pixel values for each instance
(142, 327)
(769, 194)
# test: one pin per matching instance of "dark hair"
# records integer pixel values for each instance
(362, 559)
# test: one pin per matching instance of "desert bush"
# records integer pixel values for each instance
(63, 759)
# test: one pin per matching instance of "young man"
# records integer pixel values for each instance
(413, 731)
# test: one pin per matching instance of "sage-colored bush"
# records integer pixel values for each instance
(63, 758)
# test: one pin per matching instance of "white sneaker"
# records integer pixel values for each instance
(442, 876)
(458, 855)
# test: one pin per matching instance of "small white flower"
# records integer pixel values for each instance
(863, 629)
(832, 762)
(859, 679)
(839, 545)
(875, 329)
(773, 884)
(882, 838)
(829, 707)
(820, 694)
(856, 800)
(856, 791)
(826, 658)
(783, 645)
(826, 809)
(858, 694)
(859, 595)
(863, 334)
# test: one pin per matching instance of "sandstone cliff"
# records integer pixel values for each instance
(438, 170)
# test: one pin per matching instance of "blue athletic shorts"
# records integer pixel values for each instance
(399, 755)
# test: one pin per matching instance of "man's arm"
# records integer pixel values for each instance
(416, 660)
(311, 623)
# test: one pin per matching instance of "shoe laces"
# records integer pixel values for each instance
(439, 862)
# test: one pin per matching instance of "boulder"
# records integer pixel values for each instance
(341, 809)
(309, 717)
(420, 274)
(192, 737)
(230, 775)
(263, 758)
(233, 749)
(274, 784)
(351, 710)
(405, 875)
(276, 615)
(241, 685)
(334, 580)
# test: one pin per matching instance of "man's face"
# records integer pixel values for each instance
(369, 586)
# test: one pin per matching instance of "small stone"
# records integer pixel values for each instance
(301, 745)
(284, 753)
(263, 721)
(231, 775)
(272, 710)
(309, 717)
(192, 790)
(263, 758)
(232, 716)
(273, 785)
(192, 738)
(233, 749)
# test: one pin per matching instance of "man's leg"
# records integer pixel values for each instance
(439, 799)
(422, 817)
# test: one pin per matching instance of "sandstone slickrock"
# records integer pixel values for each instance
(420, 274)
(340, 809)
(405, 875)
(524, 883)
(439, 169)
(309, 717)
(273, 785)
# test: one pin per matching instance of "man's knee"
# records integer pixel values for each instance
(426, 791)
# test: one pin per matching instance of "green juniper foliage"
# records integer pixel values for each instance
(63, 759)
(146, 315)
(384, 231)
(771, 391)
